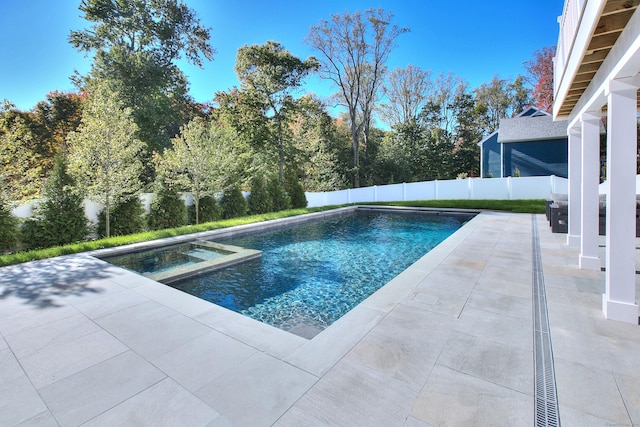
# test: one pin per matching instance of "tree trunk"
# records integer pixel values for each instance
(281, 153)
(365, 132)
(106, 216)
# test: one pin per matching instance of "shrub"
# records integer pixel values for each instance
(208, 210)
(259, 201)
(233, 203)
(167, 210)
(279, 199)
(60, 218)
(296, 193)
(124, 218)
(8, 229)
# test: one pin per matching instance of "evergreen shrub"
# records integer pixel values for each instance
(167, 210)
(124, 218)
(296, 193)
(233, 203)
(259, 201)
(8, 229)
(60, 218)
(208, 210)
(279, 198)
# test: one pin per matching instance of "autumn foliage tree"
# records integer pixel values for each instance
(540, 76)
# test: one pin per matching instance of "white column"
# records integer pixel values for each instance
(575, 195)
(589, 228)
(619, 299)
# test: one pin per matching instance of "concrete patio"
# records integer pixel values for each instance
(447, 342)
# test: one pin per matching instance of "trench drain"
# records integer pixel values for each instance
(546, 399)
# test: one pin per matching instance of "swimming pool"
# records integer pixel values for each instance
(311, 274)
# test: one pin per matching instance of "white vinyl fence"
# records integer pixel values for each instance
(539, 187)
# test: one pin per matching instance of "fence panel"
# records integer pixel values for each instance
(420, 190)
(492, 188)
(388, 193)
(453, 189)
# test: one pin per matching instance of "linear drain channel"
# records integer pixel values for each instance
(546, 399)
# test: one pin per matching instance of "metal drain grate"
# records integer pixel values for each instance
(546, 399)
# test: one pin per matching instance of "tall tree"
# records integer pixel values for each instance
(318, 144)
(406, 91)
(520, 95)
(104, 152)
(540, 76)
(200, 160)
(21, 162)
(136, 45)
(273, 74)
(494, 100)
(355, 48)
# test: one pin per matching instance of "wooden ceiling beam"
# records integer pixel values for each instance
(615, 6)
(605, 41)
(614, 22)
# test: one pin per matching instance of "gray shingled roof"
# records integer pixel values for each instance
(531, 129)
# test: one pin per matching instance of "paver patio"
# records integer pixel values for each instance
(447, 342)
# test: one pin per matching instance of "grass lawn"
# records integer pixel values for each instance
(519, 206)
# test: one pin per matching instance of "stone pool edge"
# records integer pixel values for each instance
(319, 354)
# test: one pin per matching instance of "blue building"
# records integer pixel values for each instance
(530, 144)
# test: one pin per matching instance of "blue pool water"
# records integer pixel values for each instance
(312, 274)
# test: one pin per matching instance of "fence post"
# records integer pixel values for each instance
(348, 195)
(470, 187)
(509, 189)
(375, 193)
(404, 191)
(435, 189)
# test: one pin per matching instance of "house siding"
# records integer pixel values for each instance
(491, 157)
(536, 158)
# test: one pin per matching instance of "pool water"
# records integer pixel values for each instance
(311, 274)
(165, 258)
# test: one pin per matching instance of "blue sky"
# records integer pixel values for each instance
(473, 39)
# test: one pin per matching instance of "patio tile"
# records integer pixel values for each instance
(454, 398)
(110, 298)
(437, 301)
(59, 360)
(261, 336)
(44, 419)
(19, 401)
(163, 404)
(414, 422)
(629, 386)
(318, 355)
(486, 325)
(590, 391)
(570, 417)
(18, 316)
(151, 329)
(203, 359)
(81, 397)
(501, 304)
(180, 301)
(404, 345)
(257, 391)
(60, 332)
(506, 365)
(449, 280)
(458, 261)
(353, 395)
(596, 351)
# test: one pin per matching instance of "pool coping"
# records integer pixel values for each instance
(318, 354)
